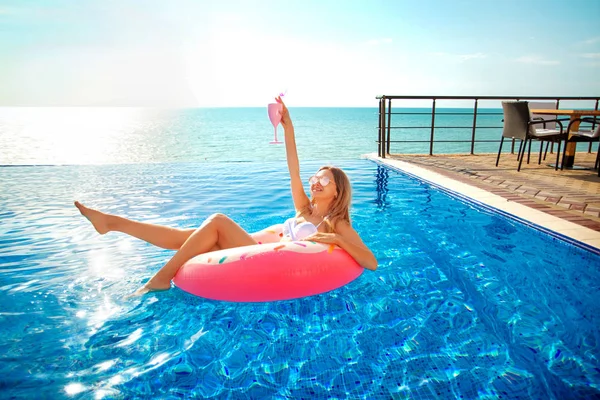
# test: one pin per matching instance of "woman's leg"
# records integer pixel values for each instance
(158, 235)
(216, 233)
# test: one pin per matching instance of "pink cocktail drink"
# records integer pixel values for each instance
(274, 110)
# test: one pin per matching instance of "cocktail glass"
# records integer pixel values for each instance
(274, 110)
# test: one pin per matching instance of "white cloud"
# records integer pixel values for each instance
(466, 57)
(591, 41)
(536, 60)
(377, 42)
(591, 55)
(459, 57)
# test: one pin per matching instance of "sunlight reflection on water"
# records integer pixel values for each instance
(461, 303)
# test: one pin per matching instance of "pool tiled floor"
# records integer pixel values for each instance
(567, 202)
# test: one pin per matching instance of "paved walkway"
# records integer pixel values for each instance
(573, 195)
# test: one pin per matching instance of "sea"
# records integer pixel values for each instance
(88, 135)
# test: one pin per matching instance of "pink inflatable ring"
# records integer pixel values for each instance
(269, 271)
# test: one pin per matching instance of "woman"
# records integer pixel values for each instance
(323, 218)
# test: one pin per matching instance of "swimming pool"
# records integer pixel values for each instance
(465, 303)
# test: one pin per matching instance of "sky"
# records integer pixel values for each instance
(234, 53)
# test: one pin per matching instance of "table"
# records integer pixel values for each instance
(573, 114)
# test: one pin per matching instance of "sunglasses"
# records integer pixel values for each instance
(323, 180)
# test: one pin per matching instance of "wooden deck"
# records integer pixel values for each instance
(572, 195)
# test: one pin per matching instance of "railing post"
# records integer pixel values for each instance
(432, 128)
(389, 124)
(379, 130)
(552, 143)
(512, 145)
(474, 127)
(379, 141)
(593, 126)
(382, 114)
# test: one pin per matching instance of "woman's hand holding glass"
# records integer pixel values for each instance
(286, 121)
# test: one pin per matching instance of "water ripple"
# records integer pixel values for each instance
(454, 309)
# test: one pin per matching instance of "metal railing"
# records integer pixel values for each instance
(385, 118)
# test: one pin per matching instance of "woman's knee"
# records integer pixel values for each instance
(228, 232)
(218, 219)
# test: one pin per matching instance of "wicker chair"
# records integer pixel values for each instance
(518, 124)
(546, 105)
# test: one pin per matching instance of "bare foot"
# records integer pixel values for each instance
(97, 218)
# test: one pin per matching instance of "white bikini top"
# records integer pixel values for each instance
(299, 231)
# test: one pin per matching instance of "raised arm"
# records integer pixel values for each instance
(299, 196)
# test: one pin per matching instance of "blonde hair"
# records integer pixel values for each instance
(339, 210)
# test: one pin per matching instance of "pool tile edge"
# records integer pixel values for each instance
(568, 231)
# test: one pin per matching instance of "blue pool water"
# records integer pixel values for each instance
(465, 303)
